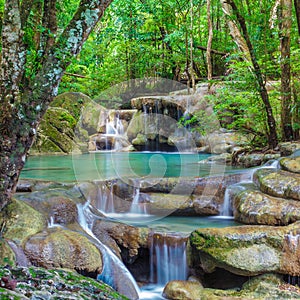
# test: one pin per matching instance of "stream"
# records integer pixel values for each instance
(125, 166)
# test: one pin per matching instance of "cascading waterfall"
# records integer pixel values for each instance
(114, 272)
(227, 210)
(105, 199)
(168, 260)
(230, 191)
(137, 207)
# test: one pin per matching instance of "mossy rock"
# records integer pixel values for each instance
(7, 256)
(246, 250)
(255, 207)
(52, 284)
(72, 102)
(278, 183)
(267, 286)
(57, 247)
(291, 164)
(23, 221)
(56, 132)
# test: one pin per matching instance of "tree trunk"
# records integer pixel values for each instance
(209, 43)
(24, 100)
(244, 42)
(297, 9)
(286, 99)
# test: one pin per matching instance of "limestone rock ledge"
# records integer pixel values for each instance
(247, 250)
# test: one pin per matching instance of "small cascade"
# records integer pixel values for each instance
(105, 199)
(114, 137)
(168, 259)
(230, 192)
(227, 206)
(114, 272)
(51, 223)
(137, 207)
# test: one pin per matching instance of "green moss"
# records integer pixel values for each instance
(23, 221)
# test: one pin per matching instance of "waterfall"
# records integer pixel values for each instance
(168, 260)
(137, 207)
(227, 206)
(105, 199)
(114, 272)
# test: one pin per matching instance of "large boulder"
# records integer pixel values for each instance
(255, 207)
(291, 164)
(266, 286)
(247, 250)
(278, 183)
(23, 222)
(59, 248)
(38, 283)
(56, 133)
(116, 235)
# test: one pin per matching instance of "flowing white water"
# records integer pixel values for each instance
(114, 272)
(138, 207)
(105, 199)
(227, 206)
(168, 260)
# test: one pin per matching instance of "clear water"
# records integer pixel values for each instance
(106, 165)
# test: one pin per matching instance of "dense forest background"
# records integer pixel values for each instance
(251, 46)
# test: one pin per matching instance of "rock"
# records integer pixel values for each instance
(278, 183)
(37, 283)
(7, 256)
(140, 140)
(93, 116)
(267, 286)
(56, 132)
(56, 204)
(115, 235)
(24, 221)
(182, 290)
(72, 102)
(290, 164)
(288, 148)
(247, 160)
(224, 158)
(247, 250)
(223, 142)
(59, 248)
(255, 207)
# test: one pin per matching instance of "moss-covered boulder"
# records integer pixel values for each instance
(183, 290)
(72, 102)
(23, 221)
(278, 183)
(267, 287)
(255, 207)
(59, 248)
(291, 164)
(38, 283)
(7, 256)
(56, 133)
(287, 148)
(247, 250)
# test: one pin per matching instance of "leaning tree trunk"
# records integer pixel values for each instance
(245, 44)
(209, 43)
(25, 100)
(286, 98)
(297, 9)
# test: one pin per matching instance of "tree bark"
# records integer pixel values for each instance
(245, 43)
(209, 43)
(297, 9)
(24, 100)
(286, 98)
